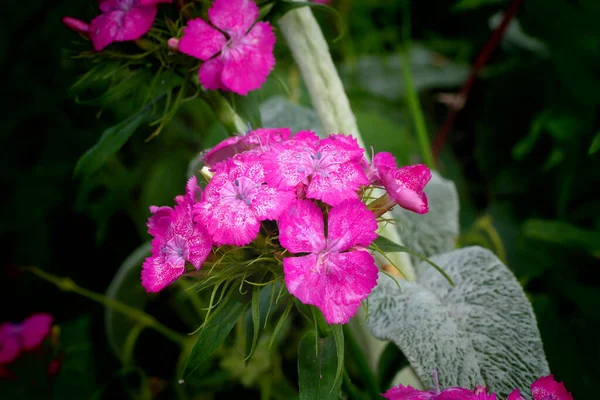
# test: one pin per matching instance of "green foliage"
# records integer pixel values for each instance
(317, 366)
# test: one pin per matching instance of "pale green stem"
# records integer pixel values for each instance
(225, 113)
(143, 319)
(311, 53)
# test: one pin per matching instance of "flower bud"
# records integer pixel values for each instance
(76, 25)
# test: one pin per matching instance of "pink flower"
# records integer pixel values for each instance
(481, 393)
(15, 338)
(239, 54)
(237, 198)
(404, 185)
(122, 20)
(260, 138)
(76, 25)
(177, 240)
(338, 273)
(410, 393)
(545, 388)
(330, 169)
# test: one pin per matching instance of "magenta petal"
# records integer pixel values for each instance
(548, 388)
(157, 274)
(350, 224)
(35, 329)
(336, 185)
(384, 160)
(407, 393)
(248, 63)
(159, 221)
(233, 16)
(9, 343)
(405, 185)
(456, 393)
(209, 74)
(335, 283)
(120, 26)
(150, 2)
(200, 40)
(515, 395)
(269, 203)
(224, 150)
(301, 228)
(229, 224)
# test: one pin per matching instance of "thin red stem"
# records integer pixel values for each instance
(482, 58)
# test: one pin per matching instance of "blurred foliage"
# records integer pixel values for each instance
(523, 153)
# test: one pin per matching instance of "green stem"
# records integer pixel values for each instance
(224, 112)
(412, 97)
(146, 320)
(353, 392)
(361, 362)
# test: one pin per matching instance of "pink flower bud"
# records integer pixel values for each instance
(76, 25)
(173, 44)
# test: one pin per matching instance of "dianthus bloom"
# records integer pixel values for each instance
(545, 388)
(29, 334)
(177, 240)
(405, 185)
(409, 393)
(122, 20)
(328, 169)
(338, 272)
(260, 138)
(237, 198)
(239, 54)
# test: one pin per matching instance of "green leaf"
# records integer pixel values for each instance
(247, 107)
(595, 146)
(390, 362)
(338, 335)
(256, 317)
(215, 330)
(387, 246)
(464, 5)
(110, 142)
(126, 288)
(317, 367)
(481, 332)
(278, 111)
(562, 233)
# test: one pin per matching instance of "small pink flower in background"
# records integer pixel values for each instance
(330, 168)
(239, 54)
(29, 334)
(122, 20)
(237, 198)
(545, 388)
(177, 240)
(260, 138)
(481, 393)
(76, 25)
(338, 273)
(404, 185)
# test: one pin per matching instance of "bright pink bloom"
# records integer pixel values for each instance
(404, 185)
(122, 20)
(237, 198)
(27, 335)
(545, 388)
(76, 25)
(329, 168)
(410, 393)
(260, 138)
(481, 393)
(239, 54)
(338, 273)
(177, 240)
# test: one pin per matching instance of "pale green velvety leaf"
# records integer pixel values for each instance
(481, 332)
(279, 112)
(126, 287)
(435, 232)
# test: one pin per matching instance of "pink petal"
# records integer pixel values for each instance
(149, 2)
(515, 395)
(341, 148)
(269, 202)
(159, 221)
(234, 17)
(384, 160)
(301, 228)
(76, 25)
(456, 393)
(407, 393)
(120, 26)
(229, 224)
(336, 283)
(247, 63)
(405, 185)
(209, 74)
(193, 193)
(35, 329)
(547, 388)
(264, 137)
(9, 343)
(157, 274)
(200, 40)
(350, 224)
(224, 150)
(286, 165)
(337, 185)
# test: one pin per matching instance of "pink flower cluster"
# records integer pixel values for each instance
(545, 388)
(312, 188)
(16, 338)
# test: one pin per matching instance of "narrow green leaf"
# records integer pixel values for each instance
(255, 314)
(338, 336)
(387, 246)
(562, 233)
(214, 331)
(110, 142)
(281, 321)
(317, 370)
(391, 361)
(595, 146)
